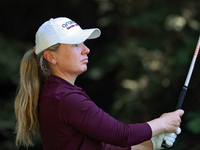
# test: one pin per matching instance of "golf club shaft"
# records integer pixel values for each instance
(185, 87)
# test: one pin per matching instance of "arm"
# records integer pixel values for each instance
(80, 112)
(143, 146)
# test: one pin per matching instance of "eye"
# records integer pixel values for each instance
(75, 45)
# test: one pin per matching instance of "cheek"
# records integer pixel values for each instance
(70, 62)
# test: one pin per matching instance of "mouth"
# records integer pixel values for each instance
(85, 60)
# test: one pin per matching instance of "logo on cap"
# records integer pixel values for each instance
(69, 24)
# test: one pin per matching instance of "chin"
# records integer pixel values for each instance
(83, 70)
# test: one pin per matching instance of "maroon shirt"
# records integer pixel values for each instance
(69, 120)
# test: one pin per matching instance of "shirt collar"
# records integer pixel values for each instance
(59, 80)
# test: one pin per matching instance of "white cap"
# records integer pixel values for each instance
(62, 30)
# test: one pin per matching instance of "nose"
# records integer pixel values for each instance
(85, 50)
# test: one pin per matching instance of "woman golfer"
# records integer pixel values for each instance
(48, 100)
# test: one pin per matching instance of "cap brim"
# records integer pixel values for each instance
(81, 36)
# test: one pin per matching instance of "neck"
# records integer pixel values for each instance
(68, 78)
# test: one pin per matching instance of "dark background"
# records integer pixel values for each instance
(137, 67)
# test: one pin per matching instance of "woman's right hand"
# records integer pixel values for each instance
(167, 122)
(172, 120)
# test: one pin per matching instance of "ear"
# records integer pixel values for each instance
(49, 56)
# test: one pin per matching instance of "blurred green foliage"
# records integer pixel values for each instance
(137, 67)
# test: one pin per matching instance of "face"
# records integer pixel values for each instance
(71, 60)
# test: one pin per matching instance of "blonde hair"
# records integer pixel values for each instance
(33, 68)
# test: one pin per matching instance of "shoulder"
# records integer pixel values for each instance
(74, 105)
(58, 88)
(75, 99)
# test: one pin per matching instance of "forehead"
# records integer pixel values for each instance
(64, 47)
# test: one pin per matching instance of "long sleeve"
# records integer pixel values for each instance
(80, 112)
(106, 146)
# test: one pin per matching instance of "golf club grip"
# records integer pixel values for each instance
(181, 98)
(184, 89)
(178, 106)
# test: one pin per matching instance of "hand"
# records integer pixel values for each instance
(172, 120)
(168, 138)
(168, 122)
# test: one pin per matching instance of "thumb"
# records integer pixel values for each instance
(180, 112)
